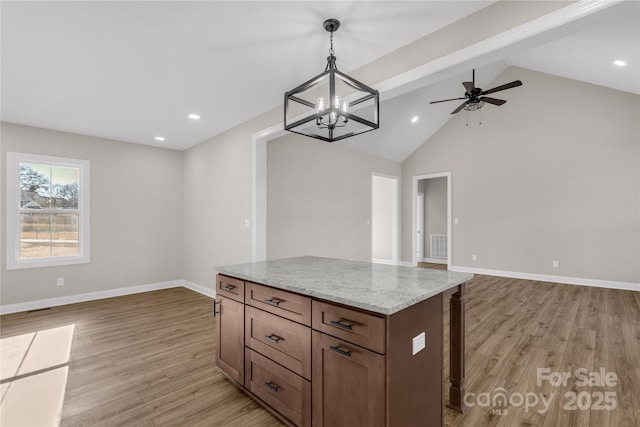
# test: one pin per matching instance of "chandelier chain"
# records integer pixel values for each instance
(331, 44)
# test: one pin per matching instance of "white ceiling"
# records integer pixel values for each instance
(131, 71)
(582, 50)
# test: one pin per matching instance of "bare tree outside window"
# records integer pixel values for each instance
(49, 216)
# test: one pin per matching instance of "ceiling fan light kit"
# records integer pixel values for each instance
(332, 105)
(475, 97)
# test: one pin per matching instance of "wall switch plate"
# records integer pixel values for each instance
(555, 264)
(60, 281)
(474, 257)
(456, 221)
(247, 223)
(418, 343)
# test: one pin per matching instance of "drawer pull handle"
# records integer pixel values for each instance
(340, 324)
(337, 349)
(273, 301)
(273, 338)
(272, 386)
(228, 288)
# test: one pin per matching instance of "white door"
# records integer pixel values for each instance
(420, 226)
(384, 219)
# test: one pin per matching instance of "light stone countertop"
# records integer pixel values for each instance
(380, 288)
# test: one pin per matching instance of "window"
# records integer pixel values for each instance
(47, 211)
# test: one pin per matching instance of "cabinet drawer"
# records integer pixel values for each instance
(360, 328)
(230, 287)
(281, 340)
(286, 392)
(286, 304)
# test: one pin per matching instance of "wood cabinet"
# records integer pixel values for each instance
(229, 309)
(283, 341)
(348, 384)
(284, 391)
(230, 338)
(315, 362)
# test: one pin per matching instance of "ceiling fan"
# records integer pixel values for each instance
(475, 97)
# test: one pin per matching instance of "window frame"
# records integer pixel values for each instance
(13, 260)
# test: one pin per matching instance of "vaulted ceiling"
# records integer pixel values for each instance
(132, 71)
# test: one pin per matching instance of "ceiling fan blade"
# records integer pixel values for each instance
(493, 101)
(457, 110)
(503, 87)
(446, 100)
(469, 86)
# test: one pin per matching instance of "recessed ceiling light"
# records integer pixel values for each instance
(194, 116)
(619, 62)
(159, 138)
(414, 119)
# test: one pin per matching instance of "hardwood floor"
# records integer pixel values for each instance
(432, 265)
(148, 359)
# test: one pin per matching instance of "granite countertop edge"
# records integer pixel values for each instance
(405, 301)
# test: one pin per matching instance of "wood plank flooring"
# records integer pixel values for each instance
(148, 359)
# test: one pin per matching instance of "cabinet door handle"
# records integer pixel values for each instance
(340, 324)
(273, 301)
(273, 338)
(214, 307)
(228, 288)
(337, 349)
(272, 386)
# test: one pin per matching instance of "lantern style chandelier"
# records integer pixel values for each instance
(331, 106)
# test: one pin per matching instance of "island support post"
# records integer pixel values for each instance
(456, 349)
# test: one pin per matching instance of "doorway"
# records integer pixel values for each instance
(384, 219)
(431, 219)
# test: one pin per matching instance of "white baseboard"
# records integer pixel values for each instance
(211, 293)
(91, 296)
(383, 261)
(406, 264)
(71, 299)
(550, 278)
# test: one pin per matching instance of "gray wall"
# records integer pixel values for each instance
(551, 175)
(319, 198)
(136, 215)
(217, 193)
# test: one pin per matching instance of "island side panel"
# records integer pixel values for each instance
(456, 350)
(414, 382)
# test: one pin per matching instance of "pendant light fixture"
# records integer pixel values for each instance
(331, 106)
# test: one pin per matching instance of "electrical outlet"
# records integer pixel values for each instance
(555, 264)
(456, 221)
(247, 223)
(60, 281)
(418, 343)
(474, 257)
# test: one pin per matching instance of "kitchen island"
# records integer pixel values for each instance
(331, 342)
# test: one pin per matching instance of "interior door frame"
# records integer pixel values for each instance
(420, 225)
(414, 219)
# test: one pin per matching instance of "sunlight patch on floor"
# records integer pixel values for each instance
(34, 369)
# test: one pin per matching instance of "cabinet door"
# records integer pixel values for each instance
(348, 385)
(230, 338)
